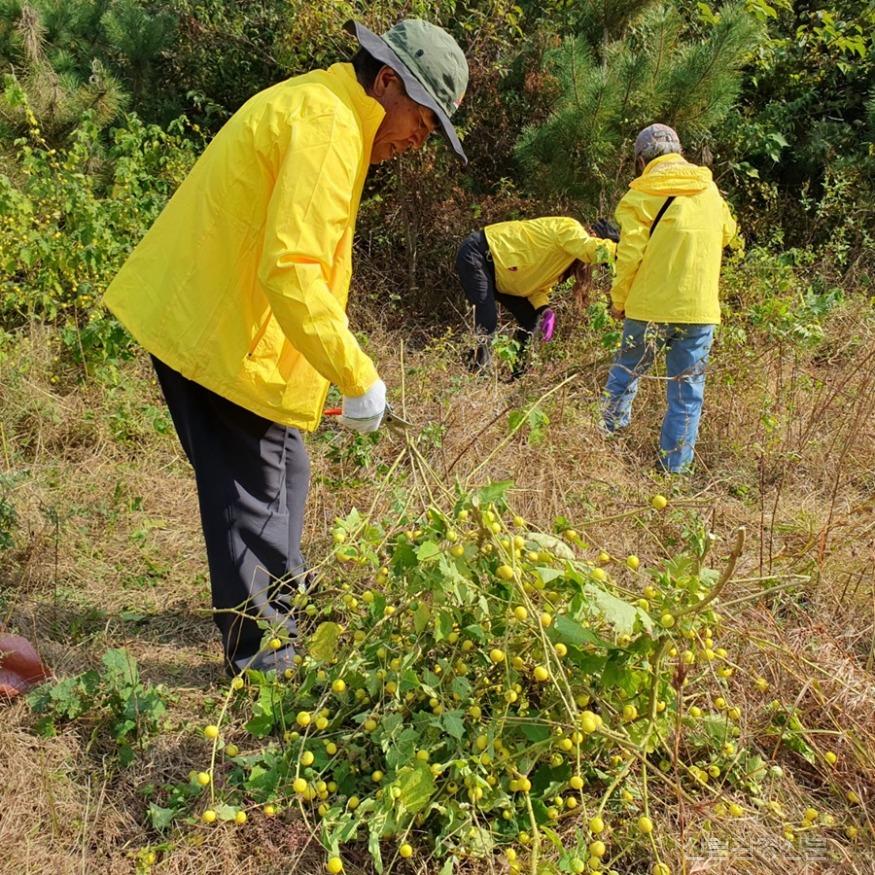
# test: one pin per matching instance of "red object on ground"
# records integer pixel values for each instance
(20, 666)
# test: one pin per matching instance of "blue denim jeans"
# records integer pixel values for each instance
(687, 348)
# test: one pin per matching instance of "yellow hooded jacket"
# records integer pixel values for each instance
(241, 284)
(531, 255)
(674, 275)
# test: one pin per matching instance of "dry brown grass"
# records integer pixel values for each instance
(108, 554)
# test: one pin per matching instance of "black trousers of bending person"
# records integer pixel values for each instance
(476, 271)
(252, 480)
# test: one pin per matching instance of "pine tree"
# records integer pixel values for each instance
(73, 56)
(615, 76)
(56, 89)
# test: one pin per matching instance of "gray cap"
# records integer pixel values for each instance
(656, 140)
(430, 63)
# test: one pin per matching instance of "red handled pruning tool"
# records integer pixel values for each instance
(389, 417)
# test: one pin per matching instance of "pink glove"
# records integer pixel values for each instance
(548, 324)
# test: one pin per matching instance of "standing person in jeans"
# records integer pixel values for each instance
(673, 227)
(239, 293)
(517, 264)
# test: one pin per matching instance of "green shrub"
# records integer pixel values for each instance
(111, 702)
(70, 216)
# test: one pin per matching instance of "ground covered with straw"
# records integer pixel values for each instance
(698, 697)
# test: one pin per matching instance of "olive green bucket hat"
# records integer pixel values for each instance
(429, 62)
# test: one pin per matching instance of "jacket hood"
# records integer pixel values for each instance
(671, 175)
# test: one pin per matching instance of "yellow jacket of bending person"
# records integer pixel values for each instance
(241, 284)
(674, 275)
(531, 255)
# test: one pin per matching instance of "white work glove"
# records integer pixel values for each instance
(365, 413)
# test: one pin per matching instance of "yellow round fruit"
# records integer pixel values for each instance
(645, 825)
(596, 825)
(240, 818)
(496, 655)
(633, 562)
(211, 731)
(737, 811)
(203, 778)
(353, 803)
(505, 572)
(520, 613)
(659, 502)
(231, 750)
(338, 686)
(457, 551)
(269, 810)
(588, 722)
(331, 748)
(603, 558)
(274, 644)
(599, 574)
(334, 865)
(303, 718)
(660, 869)
(667, 620)
(575, 782)
(237, 683)
(598, 848)
(511, 855)
(307, 758)
(830, 757)
(561, 650)
(376, 776)
(299, 785)
(405, 851)
(546, 619)
(630, 712)
(541, 674)
(209, 816)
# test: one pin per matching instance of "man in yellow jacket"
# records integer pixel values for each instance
(517, 264)
(673, 227)
(239, 293)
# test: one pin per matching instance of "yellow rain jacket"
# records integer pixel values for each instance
(241, 284)
(530, 256)
(674, 275)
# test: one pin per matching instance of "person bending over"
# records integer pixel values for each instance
(517, 264)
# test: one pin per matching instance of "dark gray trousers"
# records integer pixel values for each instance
(252, 479)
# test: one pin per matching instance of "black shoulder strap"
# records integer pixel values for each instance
(661, 213)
